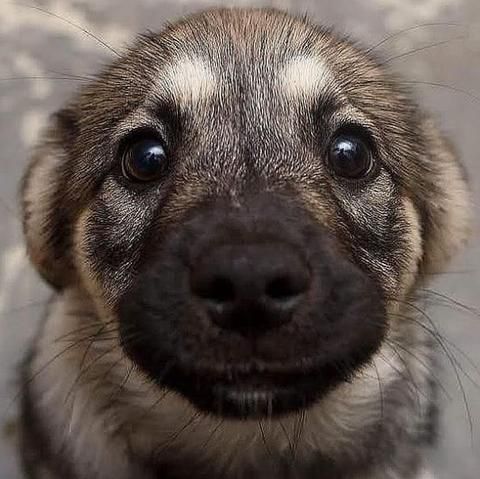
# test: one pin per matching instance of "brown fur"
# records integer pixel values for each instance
(218, 77)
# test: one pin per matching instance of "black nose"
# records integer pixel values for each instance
(251, 288)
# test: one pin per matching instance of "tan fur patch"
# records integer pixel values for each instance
(188, 81)
(307, 77)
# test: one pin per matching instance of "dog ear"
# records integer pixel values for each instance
(46, 222)
(447, 212)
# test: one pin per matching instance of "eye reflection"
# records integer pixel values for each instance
(349, 157)
(144, 160)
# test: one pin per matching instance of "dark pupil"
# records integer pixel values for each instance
(146, 159)
(349, 157)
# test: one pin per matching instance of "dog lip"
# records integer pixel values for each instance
(249, 396)
(261, 369)
(255, 400)
(249, 402)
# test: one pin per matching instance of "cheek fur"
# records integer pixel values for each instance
(108, 239)
(414, 251)
(396, 248)
(378, 229)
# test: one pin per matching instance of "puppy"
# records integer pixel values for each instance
(236, 215)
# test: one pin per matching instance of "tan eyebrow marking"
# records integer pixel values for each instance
(187, 81)
(307, 77)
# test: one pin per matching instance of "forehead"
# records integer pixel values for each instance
(238, 56)
(238, 75)
(193, 79)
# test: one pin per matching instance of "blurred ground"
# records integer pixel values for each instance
(33, 44)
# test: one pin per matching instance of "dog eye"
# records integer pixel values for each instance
(144, 160)
(350, 157)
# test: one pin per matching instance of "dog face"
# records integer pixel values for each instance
(250, 199)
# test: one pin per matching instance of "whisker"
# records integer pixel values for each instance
(51, 360)
(102, 338)
(126, 378)
(154, 405)
(441, 340)
(87, 349)
(410, 379)
(464, 394)
(83, 328)
(40, 77)
(420, 49)
(72, 24)
(174, 436)
(212, 434)
(72, 75)
(454, 363)
(470, 94)
(422, 363)
(380, 391)
(264, 439)
(139, 418)
(298, 429)
(464, 355)
(451, 300)
(83, 371)
(102, 378)
(410, 29)
(432, 333)
(290, 444)
(35, 374)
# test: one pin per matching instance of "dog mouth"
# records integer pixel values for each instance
(273, 392)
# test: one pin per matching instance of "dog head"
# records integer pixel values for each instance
(249, 197)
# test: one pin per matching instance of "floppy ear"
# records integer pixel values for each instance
(447, 214)
(46, 222)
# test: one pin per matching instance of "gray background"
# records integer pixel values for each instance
(33, 44)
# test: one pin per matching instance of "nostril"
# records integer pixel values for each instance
(280, 288)
(250, 287)
(218, 289)
(285, 288)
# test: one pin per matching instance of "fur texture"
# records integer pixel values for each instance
(246, 102)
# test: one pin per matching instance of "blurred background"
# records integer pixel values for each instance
(437, 44)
